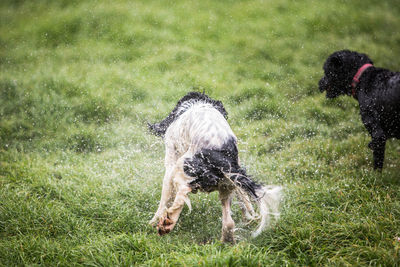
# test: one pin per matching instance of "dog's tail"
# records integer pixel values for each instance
(268, 199)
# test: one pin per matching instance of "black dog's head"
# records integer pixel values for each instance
(340, 68)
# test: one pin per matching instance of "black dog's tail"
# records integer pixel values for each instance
(212, 166)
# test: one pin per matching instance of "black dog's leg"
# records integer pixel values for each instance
(378, 148)
(370, 119)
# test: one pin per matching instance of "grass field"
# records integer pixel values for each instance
(80, 175)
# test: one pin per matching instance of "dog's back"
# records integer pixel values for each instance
(201, 126)
(204, 136)
(378, 94)
(384, 90)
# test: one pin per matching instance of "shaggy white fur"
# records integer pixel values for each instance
(194, 127)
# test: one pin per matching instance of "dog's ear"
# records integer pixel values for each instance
(365, 58)
(336, 62)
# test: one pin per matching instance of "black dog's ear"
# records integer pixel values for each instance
(336, 62)
(365, 58)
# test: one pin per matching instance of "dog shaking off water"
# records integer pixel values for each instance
(377, 91)
(201, 154)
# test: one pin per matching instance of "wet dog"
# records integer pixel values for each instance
(376, 89)
(201, 155)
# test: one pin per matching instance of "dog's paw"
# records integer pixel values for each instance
(165, 225)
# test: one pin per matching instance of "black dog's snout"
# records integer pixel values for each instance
(323, 84)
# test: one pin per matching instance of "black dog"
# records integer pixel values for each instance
(377, 91)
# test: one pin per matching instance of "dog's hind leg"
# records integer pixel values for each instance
(168, 221)
(245, 206)
(228, 224)
(167, 188)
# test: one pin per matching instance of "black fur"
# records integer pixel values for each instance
(378, 95)
(209, 166)
(161, 127)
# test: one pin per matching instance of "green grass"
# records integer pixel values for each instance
(80, 176)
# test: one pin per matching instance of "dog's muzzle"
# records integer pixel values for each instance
(323, 84)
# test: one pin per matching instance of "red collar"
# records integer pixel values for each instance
(356, 78)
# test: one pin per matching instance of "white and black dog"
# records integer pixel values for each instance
(201, 154)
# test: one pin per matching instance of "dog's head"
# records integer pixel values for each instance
(339, 70)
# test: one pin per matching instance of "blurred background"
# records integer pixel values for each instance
(80, 175)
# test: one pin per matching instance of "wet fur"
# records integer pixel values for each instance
(378, 95)
(202, 149)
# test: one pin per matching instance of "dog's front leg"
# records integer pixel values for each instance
(370, 118)
(168, 221)
(166, 194)
(378, 147)
(167, 187)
